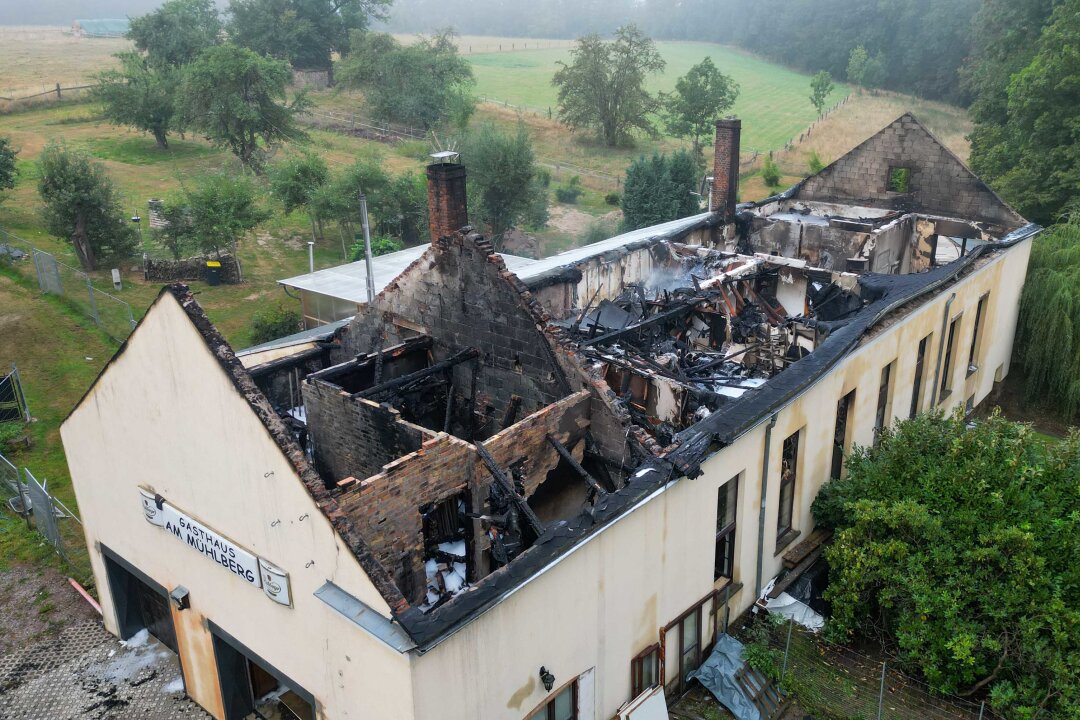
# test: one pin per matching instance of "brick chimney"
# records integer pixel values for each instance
(447, 209)
(725, 189)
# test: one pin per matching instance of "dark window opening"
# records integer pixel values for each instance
(251, 687)
(899, 179)
(973, 353)
(726, 505)
(563, 706)
(920, 368)
(843, 407)
(448, 540)
(140, 604)
(881, 417)
(788, 471)
(946, 369)
(562, 495)
(644, 670)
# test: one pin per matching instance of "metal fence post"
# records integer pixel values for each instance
(131, 317)
(881, 692)
(93, 303)
(21, 397)
(787, 649)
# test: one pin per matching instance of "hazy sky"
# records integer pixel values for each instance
(62, 12)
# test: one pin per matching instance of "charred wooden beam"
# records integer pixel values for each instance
(389, 385)
(575, 465)
(508, 487)
(511, 411)
(683, 309)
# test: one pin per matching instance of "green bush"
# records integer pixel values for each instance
(570, 192)
(815, 163)
(9, 431)
(598, 230)
(273, 323)
(613, 198)
(380, 245)
(771, 173)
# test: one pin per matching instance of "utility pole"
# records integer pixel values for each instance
(367, 247)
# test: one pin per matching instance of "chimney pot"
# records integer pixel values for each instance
(725, 189)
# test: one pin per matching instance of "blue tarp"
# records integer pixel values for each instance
(717, 674)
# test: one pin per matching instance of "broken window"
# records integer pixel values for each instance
(788, 470)
(446, 556)
(899, 180)
(946, 369)
(920, 368)
(726, 502)
(561, 707)
(843, 408)
(973, 353)
(644, 670)
(882, 415)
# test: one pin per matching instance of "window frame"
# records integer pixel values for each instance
(788, 484)
(976, 333)
(847, 403)
(637, 667)
(920, 372)
(945, 389)
(548, 706)
(893, 170)
(884, 400)
(726, 533)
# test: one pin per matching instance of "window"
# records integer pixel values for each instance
(899, 180)
(946, 370)
(840, 433)
(883, 400)
(689, 643)
(563, 706)
(973, 354)
(726, 502)
(920, 368)
(788, 468)
(644, 671)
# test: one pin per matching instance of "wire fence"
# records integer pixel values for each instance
(109, 313)
(837, 681)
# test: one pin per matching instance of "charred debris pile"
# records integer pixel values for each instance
(706, 328)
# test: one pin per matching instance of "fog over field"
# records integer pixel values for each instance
(62, 12)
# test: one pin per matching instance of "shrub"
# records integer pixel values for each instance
(771, 173)
(570, 192)
(598, 230)
(542, 175)
(273, 323)
(613, 198)
(815, 163)
(380, 245)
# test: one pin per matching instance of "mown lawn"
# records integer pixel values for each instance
(773, 102)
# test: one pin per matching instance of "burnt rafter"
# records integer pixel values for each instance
(405, 380)
(507, 486)
(566, 455)
(684, 308)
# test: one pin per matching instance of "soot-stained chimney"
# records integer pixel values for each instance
(447, 209)
(725, 189)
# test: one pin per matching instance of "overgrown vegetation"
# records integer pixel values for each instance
(951, 548)
(9, 169)
(659, 188)
(273, 323)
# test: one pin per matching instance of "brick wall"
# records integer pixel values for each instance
(354, 437)
(725, 188)
(939, 183)
(463, 296)
(386, 507)
(447, 209)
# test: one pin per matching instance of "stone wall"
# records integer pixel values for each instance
(939, 182)
(194, 268)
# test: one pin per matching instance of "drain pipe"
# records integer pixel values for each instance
(761, 512)
(940, 352)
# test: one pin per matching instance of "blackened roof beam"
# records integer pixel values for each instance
(390, 385)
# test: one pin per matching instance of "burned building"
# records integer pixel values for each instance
(515, 488)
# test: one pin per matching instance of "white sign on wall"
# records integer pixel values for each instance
(240, 562)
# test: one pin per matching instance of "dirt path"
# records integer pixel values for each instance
(37, 604)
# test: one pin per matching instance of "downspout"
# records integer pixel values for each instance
(761, 512)
(940, 352)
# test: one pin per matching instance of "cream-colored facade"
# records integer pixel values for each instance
(177, 422)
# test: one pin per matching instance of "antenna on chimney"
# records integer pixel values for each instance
(441, 155)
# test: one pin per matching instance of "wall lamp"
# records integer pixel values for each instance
(547, 678)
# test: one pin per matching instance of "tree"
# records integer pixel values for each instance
(701, 96)
(821, 85)
(771, 174)
(814, 163)
(306, 33)
(295, 181)
(658, 189)
(9, 170)
(212, 213)
(951, 549)
(603, 87)
(237, 99)
(423, 84)
(173, 35)
(503, 183)
(83, 206)
(856, 67)
(139, 95)
(1047, 346)
(1033, 158)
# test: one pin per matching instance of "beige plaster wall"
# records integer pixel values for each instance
(166, 416)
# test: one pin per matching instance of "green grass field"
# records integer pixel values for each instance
(774, 102)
